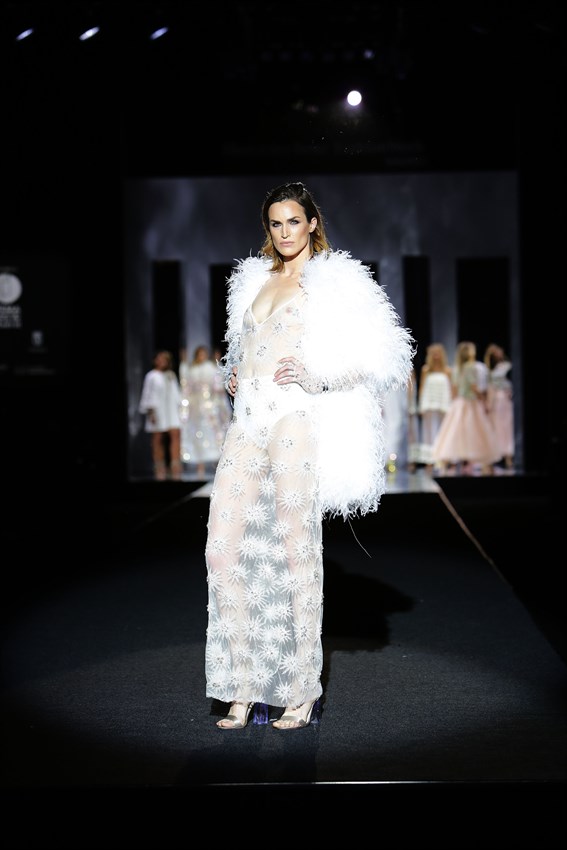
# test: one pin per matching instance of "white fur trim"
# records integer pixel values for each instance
(352, 333)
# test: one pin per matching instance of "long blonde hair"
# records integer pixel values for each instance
(431, 351)
(466, 351)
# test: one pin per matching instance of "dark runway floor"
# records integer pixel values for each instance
(444, 716)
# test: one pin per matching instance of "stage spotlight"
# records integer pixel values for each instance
(354, 98)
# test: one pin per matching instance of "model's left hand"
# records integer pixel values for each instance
(292, 371)
(232, 383)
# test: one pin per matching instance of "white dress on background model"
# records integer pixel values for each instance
(205, 412)
(434, 402)
(161, 392)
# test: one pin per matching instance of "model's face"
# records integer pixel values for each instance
(162, 362)
(289, 227)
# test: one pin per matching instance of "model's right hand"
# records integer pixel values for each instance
(232, 383)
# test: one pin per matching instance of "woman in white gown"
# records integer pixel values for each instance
(205, 412)
(313, 345)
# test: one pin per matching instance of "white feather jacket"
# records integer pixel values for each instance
(353, 340)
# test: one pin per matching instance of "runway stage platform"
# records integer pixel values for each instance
(443, 722)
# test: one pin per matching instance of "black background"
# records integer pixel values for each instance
(469, 86)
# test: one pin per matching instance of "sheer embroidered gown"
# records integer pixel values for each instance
(264, 545)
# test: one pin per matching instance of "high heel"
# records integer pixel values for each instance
(234, 721)
(299, 717)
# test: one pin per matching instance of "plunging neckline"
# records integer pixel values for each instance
(273, 313)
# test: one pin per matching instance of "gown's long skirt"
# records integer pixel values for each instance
(466, 434)
(265, 563)
(501, 415)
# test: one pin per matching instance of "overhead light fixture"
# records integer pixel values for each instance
(23, 34)
(354, 98)
(158, 33)
(90, 32)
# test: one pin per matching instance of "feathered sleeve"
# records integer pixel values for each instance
(355, 343)
(355, 335)
(243, 285)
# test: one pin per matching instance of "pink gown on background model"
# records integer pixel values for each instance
(466, 434)
(500, 406)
